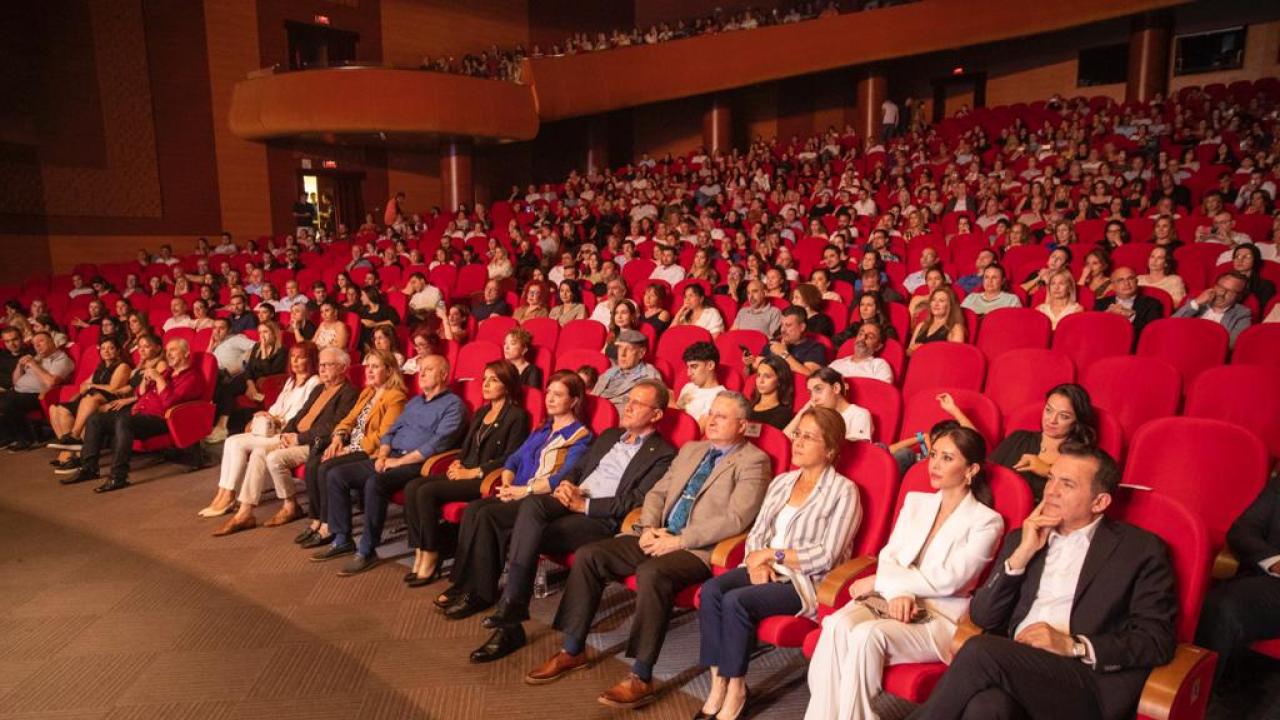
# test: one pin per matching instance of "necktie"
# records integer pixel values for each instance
(684, 506)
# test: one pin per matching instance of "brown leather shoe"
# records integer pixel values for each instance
(560, 664)
(283, 517)
(235, 525)
(630, 693)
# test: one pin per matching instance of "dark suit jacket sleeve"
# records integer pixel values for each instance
(632, 495)
(993, 604)
(1146, 637)
(1250, 533)
(1146, 311)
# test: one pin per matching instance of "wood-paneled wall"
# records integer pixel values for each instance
(412, 29)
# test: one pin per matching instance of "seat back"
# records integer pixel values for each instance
(545, 331)
(678, 427)
(777, 446)
(600, 414)
(1213, 466)
(1187, 538)
(494, 329)
(875, 472)
(1012, 328)
(1258, 345)
(922, 412)
(1190, 344)
(574, 359)
(472, 358)
(1133, 389)
(672, 343)
(1021, 376)
(883, 401)
(207, 365)
(731, 342)
(581, 335)
(944, 364)
(533, 401)
(1088, 337)
(1247, 395)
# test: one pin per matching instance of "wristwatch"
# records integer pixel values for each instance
(1078, 648)
(780, 556)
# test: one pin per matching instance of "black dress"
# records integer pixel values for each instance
(531, 376)
(939, 335)
(1010, 451)
(101, 376)
(819, 324)
(656, 322)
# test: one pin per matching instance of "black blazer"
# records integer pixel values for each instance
(508, 434)
(1125, 604)
(642, 473)
(1255, 535)
(1145, 310)
(339, 405)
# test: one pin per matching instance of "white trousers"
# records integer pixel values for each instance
(237, 457)
(848, 665)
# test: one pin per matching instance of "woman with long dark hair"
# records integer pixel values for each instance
(773, 392)
(907, 612)
(1068, 416)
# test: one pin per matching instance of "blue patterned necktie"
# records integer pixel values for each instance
(684, 506)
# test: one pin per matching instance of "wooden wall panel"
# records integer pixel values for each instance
(23, 257)
(233, 50)
(66, 251)
(418, 175)
(412, 29)
(669, 127)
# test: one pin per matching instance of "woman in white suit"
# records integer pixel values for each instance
(940, 544)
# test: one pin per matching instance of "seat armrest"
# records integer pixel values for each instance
(1225, 564)
(631, 519)
(489, 486)
(1180, 688)
(438, 463)
(965, 629)
(729, 551)
(190, 422)
(833, 592)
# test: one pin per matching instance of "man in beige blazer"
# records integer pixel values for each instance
(712, 491)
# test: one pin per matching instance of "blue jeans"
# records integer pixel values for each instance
(731, 609)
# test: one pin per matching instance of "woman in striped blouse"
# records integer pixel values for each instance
(803, 530)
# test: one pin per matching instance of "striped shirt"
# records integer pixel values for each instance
(819, 532)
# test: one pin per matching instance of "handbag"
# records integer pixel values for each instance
(264, 425)
(879, 607)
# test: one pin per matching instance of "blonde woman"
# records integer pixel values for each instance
(1060, 298)
(355, 439)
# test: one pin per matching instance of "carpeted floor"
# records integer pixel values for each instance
(124, 606)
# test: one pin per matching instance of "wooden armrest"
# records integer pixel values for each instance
(1225, 564)
(722, 553)
(490, 480)
(1168, 681)
(632, 518)
(436, 459)
(965, 629)
(840, 576)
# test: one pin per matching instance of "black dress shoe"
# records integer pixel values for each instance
(334, 551)
(80, 476)
(317, 540)
(507, 614)
(111, 485)
(306, 534)
(450, 596)
(358, 564)
(465, 606)
(431, 579)
(22, 446)
(503, 642)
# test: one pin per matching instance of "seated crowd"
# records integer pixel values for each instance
(641, 470)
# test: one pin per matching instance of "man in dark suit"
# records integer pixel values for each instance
(1128, 301)
(590, 502)
(712, 491)
(1246, 608)
(1078, 610)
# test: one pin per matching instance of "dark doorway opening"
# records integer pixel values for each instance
(338, 196)
(957, 89)
(313, 46)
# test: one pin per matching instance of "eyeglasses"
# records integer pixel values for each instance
(631, 402)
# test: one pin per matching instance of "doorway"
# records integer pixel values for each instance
(958, 90)
(317, 46)
(338, 196)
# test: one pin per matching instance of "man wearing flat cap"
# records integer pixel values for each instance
(629, 369)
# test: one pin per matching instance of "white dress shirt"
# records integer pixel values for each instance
(872, 367)
(1057, 592)
(672, 274)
